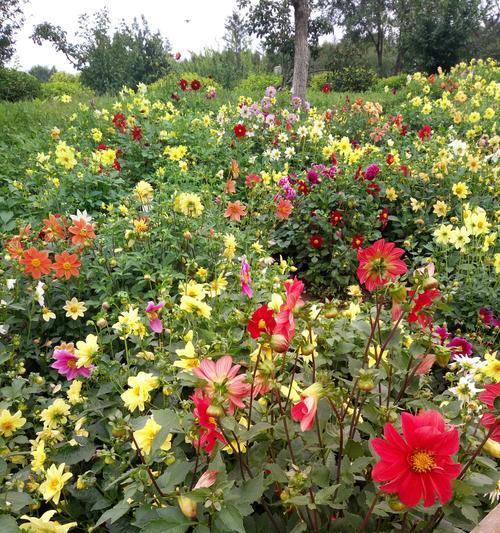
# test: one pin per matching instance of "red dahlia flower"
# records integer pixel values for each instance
(488, 420)
(424, 132)
(195, 85)
(326, 88)
(423, 300)
(208, 424)
(240, 130)
(335, 217)
(380, 263)
(316, 241)
(136, 133)
(262, 321)
(418, 464)
(357, 241)
(183, 84)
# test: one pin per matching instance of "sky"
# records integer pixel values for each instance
(204, 29)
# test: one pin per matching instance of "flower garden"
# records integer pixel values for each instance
(231, 313)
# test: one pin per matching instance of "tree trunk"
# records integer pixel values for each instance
(301, 56)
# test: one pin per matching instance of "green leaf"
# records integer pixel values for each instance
(170, 519)
(18, 500)
(324, 496)
(71, 455)
(114, 513)
(232, 519)
(471, 513)
(8, 524)
(201, 529)
(174, 475)
(252, 490)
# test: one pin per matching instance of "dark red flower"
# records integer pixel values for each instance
(384, 217)
(183, 84)
(102, 146)
(389, 159)
(195, 85)
(335, 217)
(359, 175)
(404, 169)
(136, 133)
(424, 132)
(120, 122)
(373, 189)
(116, 165)
(302, 186)
(357, 241)
(262, 321)
(316, 241)
(404, 130)
(208, 424)
(240, 130)
(326, 88)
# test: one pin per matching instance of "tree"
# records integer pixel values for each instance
(11, 20)
(236, 38)
(370, 20)
(284, 28)
(42, 73)
(109, 59)
(438, 33)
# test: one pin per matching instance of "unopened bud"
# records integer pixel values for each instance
(431, 283)
(187, 506)
(102, 322)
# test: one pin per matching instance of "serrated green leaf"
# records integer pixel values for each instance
(8, 524)
(232, 519)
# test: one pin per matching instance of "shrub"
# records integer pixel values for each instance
(16, 85)
(65, 77)
(318, 80)
(257, 83)
(356, 79)
(393, 82)
(52, 89)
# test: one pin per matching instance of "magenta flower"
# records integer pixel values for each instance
(152, 310)
(371, 171)
(65, 364)
(459, 346)
(245, 277)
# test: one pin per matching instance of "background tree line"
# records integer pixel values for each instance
(389, 36)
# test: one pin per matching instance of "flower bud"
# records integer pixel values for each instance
(102, 322)
(187, 506)
(396, 505)
(308, 349)
(366, 383)
(398, 293)
(279, 343)
(443, 355)
(431, 283)
(187, 235)
(331, 312)
(105, 306)
(215, 410)
(492, 448)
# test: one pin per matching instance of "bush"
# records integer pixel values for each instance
(16, 85)
(170, 83)
(356, 79)
(65, 77)
(318, 80)
(257, 83)
(393, 82)
(52, 89)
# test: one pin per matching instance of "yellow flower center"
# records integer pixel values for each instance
(71, 363)
(7, 426)
(262, 324)
(54, 484)
(422, 461)
(35, 262)
(66, 265)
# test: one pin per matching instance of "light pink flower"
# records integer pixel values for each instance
(222, 381)
(207, 479)
(152, 310)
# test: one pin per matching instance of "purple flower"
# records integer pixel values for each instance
(442, 333)
(371, 171)
(245, 277)
(313, 177)
(152, 310)
(486, 315)
(271, 91)
(459, 346)
(65, 364)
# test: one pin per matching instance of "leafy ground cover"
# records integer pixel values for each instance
(229, 313)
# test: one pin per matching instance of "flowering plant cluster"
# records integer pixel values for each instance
(168, 361)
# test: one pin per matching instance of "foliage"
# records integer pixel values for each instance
(257, 83)
(357, 79)
(11, 20)
(16, 85)
(394, 83)
(41, 72)
(111, 59)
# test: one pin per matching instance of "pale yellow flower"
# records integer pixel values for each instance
(74, 309)
(55, 479)
(10, 423)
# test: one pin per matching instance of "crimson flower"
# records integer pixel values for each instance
(183, 84)
(424, 132)
(384, 217)
(316, 241)
(195, 85)
(488, 420)
(120, 122)
(208, 425)
(389, 159)
(373, 189)
(335, 217)
(262, 321)
(240, 130)
(136, 133)
(459, 346)
(422, 301)
(326, 88)
(380, 263)
(357, 241)
(417, 464)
